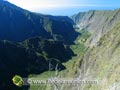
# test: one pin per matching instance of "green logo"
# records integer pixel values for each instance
(17, 80)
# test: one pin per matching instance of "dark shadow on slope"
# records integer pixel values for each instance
(17, 24)
(50, 48)
(26, 58)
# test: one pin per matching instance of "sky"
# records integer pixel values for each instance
(65, 7)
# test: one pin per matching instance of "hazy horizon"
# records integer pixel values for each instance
(65, 7)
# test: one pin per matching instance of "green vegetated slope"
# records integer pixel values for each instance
(72, 66)
(30, 57)
(99, 63)
(62, 48)
(17, 24)
(102, 63)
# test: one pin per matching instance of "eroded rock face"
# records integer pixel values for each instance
(97, 22)
(102, 63)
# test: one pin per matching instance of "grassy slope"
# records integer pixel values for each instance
(71, 66)
(103, 63)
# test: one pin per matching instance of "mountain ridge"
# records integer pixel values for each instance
(98, 22)
(22, 24)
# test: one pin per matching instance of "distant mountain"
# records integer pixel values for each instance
(32, 56)
(17, 24)
(98, 22)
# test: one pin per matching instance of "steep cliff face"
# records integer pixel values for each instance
(102, 64)
(97, 22)
(103, 61)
